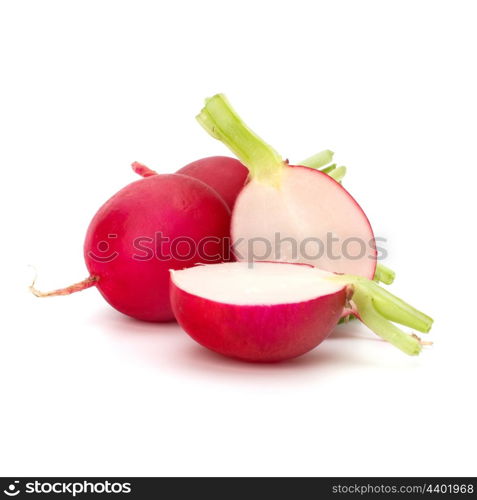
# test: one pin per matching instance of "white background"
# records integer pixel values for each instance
(89, 86)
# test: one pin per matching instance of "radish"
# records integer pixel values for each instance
(273, 311)
(290, 213)
(224, 174)
(155, 224)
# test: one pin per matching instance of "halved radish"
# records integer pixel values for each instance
(290, 213)
(310, 219)
(272, 311)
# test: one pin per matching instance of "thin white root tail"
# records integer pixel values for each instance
(77, 287)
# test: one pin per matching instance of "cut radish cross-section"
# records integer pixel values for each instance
(311, 219)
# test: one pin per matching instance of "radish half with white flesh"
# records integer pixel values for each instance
(290, 213)
(273, 311)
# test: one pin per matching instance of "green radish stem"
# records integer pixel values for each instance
(378, 310)
(337, 174)
(318, 160)
(221, 121)
(384, 274)
(322, 162)
(326, 170)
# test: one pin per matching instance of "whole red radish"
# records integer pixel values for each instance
(290, 213)
(270, 311)
(224, 174)
(155, 224)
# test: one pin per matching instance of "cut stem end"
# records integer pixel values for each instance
(142, 170)
(384, 274)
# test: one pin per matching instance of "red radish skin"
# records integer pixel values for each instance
(258, 333)
(175, 205)
(286, 331)
(224, 174)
